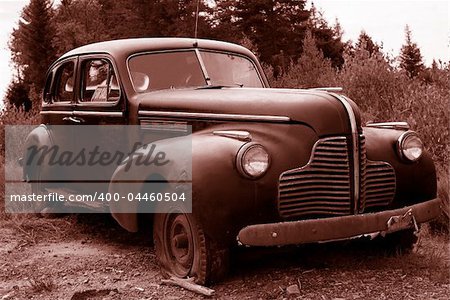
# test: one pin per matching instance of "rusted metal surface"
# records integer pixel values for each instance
(316, 230)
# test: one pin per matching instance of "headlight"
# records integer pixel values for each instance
(252, 160)
(409, 146)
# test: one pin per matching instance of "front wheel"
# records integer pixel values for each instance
(183, 250)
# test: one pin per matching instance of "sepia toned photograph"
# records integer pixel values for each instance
(224, 149)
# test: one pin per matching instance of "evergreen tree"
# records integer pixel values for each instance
(410, 56)
(17, 95)
(276, 28)
(312, 68)
(31, 43)
(328, 40)
(365, 42)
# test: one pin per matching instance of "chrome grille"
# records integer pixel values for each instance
(377, 181)
(322, 187)
(362, 172)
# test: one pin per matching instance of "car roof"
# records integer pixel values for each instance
(126, 47)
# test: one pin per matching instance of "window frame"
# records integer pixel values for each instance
(83, 59)
(55, 80)
(159, 52)
(263, 84)
(200, 60)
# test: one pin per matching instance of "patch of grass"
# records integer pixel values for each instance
(41, 285)
(33, 229)
(434, 252)
(441, 224)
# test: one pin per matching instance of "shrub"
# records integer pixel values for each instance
(12, 116)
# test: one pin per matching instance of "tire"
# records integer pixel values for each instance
(42, 209)
(398, 243)
(184, 251)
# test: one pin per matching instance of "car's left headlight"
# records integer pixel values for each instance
(410, 146)
(252, 160)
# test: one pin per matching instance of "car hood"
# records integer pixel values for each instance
(321, 111)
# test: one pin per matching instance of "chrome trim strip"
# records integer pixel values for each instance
(232, 117)
(164, 125)
(98, 113)
(56, 112)
(328, 89)
(234, 134)
(355, 146)
(390, 125)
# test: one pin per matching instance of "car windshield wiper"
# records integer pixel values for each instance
(220, 86)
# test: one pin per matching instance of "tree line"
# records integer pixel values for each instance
(274, 30)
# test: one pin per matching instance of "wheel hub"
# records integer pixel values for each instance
(180, 244)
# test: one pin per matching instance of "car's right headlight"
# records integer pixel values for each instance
(410, 146)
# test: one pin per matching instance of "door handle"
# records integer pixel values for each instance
(73, 120)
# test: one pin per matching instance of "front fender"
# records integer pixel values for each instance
(132, 177)
(416, 182)
(211, 169)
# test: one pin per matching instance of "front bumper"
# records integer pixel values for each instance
(336, 228)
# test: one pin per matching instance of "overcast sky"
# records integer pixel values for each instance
(382, 19)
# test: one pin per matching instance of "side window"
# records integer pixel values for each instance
(99, 82)
(64, 81)
(47, 94)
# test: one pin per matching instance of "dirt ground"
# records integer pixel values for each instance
(90, 257)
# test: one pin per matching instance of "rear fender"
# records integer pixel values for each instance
(37, 138)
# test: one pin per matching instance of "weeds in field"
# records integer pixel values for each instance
(441, 224)
(12, 116)
(41, 285)
(434, 249)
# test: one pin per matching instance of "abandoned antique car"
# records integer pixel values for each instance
(270, 167)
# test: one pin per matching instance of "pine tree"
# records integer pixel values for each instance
(328, 40)
(312, 68)
(31, 43)
(410, 56)
(76, 26)
(276, 28)
(17, 95)
(365, 42)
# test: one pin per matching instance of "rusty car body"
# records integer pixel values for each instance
(270, 167)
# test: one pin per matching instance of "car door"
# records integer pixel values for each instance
(100, 103)
(57, 113)
(59, 93)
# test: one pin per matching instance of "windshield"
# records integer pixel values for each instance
(230, 69)
(166, 70)
(181, 69)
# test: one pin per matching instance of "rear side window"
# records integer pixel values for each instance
(48, 83)
(99, 81)
(64, 82)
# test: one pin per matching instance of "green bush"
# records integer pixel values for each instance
(12, 116)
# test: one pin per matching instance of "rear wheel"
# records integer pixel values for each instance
(183, 250)
(42, 208)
